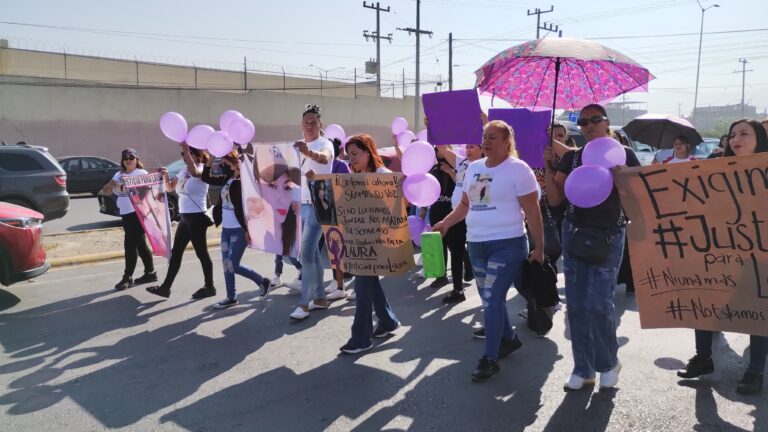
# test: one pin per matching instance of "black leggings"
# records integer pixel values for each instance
(135, 243)
(193, 227)
(456, 242)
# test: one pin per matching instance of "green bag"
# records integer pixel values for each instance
(432, 254)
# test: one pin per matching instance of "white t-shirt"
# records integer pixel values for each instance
(318, 145)
(494, 210)
(123, 202)
(675, 159)
(192, 191)
(461, 169)
(383, 170)
(228, 218)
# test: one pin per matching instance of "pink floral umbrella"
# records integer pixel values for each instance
(560, 72)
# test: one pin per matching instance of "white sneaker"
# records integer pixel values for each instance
(299, 314)
(314, 306)
(331, 287)
(337, 294)
(420, 274)
(419, 261)
(351, 296)
(275, 281)
(576, 382)
(294, 285)
(611, 378)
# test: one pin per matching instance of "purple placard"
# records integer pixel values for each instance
(454, 117)
(530, 128)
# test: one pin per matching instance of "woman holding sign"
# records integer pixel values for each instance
(500, 193)
(746, 137)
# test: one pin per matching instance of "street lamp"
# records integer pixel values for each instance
(698, 63)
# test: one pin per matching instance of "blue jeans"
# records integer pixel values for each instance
(279, 264)
(311, 267)
(758, 349)
(497, 264)
(232, 249)
(370, 295)
(591, 313)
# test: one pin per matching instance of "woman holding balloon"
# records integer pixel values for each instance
(590, 278)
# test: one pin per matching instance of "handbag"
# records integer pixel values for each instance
(552, 246)
(539, 287)
(589, 244)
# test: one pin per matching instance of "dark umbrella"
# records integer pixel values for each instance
(660, 130)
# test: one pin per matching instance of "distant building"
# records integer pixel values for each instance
(707, 118)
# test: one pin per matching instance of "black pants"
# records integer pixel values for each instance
(135, 243)
(192, 227)
(456, 241)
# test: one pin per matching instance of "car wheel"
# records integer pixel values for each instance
(5, 268)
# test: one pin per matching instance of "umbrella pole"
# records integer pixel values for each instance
(554, 99)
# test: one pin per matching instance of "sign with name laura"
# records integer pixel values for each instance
(698, 243)
(371, 236)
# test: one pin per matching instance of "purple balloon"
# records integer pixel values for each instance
(422, 135)
(405, 138)
(417, 239)
(227, 118)
(335, 131)
(198, 136)
(219, 144)
(418, 158)
(588, 185)
(421, 190)
(399, 124)
(605, 152)
(416, 226)
(174, 126)
(241, 130)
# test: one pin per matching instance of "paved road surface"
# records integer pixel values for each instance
(83, 214)
(78, 356)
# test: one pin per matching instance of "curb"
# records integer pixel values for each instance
(105, 256)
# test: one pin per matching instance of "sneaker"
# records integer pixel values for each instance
(337, 294)
(611, 378)
(204, 292)
(351, 296)
(508, 346)
(350, 348)
(146, 278)
(696, 367)
(440, 282)
(125, 282)
(479, 333)
(420, 274)
(275, 281)
(331, 287)
(382, 333)
(264, 287)
(313, 306)
(576, 382)
(454, 297)
(751, 383)
(420, 261)
(299, 314)
(159, 291)
(294, 285)
(485, 369)
(226, 303)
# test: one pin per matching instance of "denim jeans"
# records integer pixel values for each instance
(279, 264)
(311, 266)
(232, 249)
(497, 264)
(370, 298)
(758, 349)
(591, 313)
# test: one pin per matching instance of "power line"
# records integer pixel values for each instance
(620, 37)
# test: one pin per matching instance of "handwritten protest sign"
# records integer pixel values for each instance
(698, 243)
(371, 236)
(147, 194)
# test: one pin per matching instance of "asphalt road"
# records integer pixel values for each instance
(79, 356)
(83, 214)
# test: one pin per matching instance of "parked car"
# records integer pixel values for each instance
(87, 174)
(32, 178)
(108, 203)
(21, 244)
(702, 151)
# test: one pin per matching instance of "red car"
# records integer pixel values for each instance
(21, 244)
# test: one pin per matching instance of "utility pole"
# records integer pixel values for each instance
(418, 31)
(698, 62)
(554, 28)
(743, 79)
(450, 61)
(679, 109)
(377, 35)
(538, 12)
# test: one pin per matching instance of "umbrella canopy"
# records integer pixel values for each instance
(660, 130)
(579, 72)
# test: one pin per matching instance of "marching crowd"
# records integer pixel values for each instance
(492, 212)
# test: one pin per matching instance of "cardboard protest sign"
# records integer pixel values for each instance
(371, 238)
(323, 202)
(147, 195)
(270, 178)
(698, 243)
(531, 137)
(453, 117)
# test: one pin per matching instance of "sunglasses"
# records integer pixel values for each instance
(129, 158)
(594, 120)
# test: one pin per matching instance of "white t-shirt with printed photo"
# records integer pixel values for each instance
(123, 202)
(461, 170)
(228, 217)
(318, 145)
(192, 191)
(494, 209)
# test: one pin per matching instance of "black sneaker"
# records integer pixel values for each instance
(454, 297)
(159, 291)
(125, 282)
(146, 278)
(697, 366)
(440, 282)
(264, 287)
(508, 346)
(204, 292)
(485, 369)
(751, 383)
(350, 348)
(381, 333)
(226, 303)
(479, 333)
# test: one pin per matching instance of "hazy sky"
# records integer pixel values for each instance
(329, 34)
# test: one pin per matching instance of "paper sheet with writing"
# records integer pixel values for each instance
(698, 243)
(371, 236)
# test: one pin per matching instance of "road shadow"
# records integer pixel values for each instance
(591, 411)
(96, 225)
(8, 300)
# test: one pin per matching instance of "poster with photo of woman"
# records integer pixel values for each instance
(322, 201)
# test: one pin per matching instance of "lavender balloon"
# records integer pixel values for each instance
(241, 130)
(399, 124)
(219, 144)
(588, 185)
(227, 118)
(418, 158)
(416, 226)
(198, 136)
(421, 190)
(405, 138)
(174, 126)
(422, 135)
(335, 131)
(605, 152)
